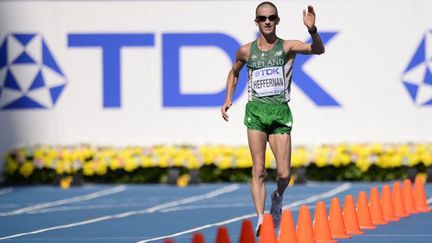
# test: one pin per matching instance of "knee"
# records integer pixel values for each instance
(284, 175)
(259, 173)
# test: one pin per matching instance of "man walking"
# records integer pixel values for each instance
(268, 117)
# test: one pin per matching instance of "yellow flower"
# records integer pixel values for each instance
(114, 164)
(66, 154)
(52, 154)
(321, 160)
(396, 160)
(183, 180)
(146, 161)
(376, 148)
(101, 168)
(340, 158)
(270, 161)
(389, 160)
(192, 163)
(244, 162)
(299, 157)
(360, 150)
(26, 169)
(88, 168)
(413, 159)
(321, 156)
(243, 158)
(164, 161)
(403, 149)
(47, 162)
(363, 164)
(64, 166)
(77, 155)
(420, 148)
(39, 153)
(60, 167)
(11, 165)
(66, 182)
(225, 163)
(427, 159)
(179, 160)
(130, 165)
(208, 154)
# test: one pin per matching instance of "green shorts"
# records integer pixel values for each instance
(268, 118)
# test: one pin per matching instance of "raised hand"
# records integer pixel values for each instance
(309, 17)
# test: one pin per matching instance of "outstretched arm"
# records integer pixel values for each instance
(316, 47)
(233, 75)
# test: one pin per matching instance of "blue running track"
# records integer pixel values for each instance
(150, 213)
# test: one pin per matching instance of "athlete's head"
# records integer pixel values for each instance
(266, 17)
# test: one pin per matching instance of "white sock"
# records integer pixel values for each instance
(260, 219)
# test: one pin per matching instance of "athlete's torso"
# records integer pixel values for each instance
(269, 74)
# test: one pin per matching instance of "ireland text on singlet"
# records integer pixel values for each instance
(269, 74)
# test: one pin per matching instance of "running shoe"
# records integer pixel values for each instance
(258, 226)
(276, 208)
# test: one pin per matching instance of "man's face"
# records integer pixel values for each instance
(267, 19)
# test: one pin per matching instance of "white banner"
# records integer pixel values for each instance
(154, 72)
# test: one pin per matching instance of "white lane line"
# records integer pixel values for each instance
(66, 201)
(211, 206)
(208, 195)
(429, 200)
(317, 197)
(5, 190)
(85, 207)
(126, 205)
(311, 199)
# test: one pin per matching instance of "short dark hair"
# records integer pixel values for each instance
(263, 4)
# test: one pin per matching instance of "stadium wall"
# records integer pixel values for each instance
(154, 72)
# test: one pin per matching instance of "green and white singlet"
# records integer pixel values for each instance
(269, 83)
(269, 74)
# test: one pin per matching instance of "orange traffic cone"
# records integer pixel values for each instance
(350, 217)
(267, 232)
(321, 225)
(168, 241)
(337, 225)
(305, 232)
(222, 235)
(363, 212)
(287, 228)
(375, 207)
(246, 233)
(198, 238)
(387, 204)
(408, 197)
(398, 202)
(420, 196)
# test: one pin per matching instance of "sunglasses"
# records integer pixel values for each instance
(271, 18)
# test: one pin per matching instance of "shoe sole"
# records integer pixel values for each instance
(258, 231)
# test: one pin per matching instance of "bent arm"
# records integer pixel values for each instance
(316, 47)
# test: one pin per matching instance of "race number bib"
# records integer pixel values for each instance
(268, 81)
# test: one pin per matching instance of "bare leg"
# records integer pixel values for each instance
(257, 146)
(280, 144)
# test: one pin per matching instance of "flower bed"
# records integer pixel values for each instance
(45, 164)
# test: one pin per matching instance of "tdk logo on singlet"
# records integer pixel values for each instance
(417, 77)
(267, 72)
(30, 77)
